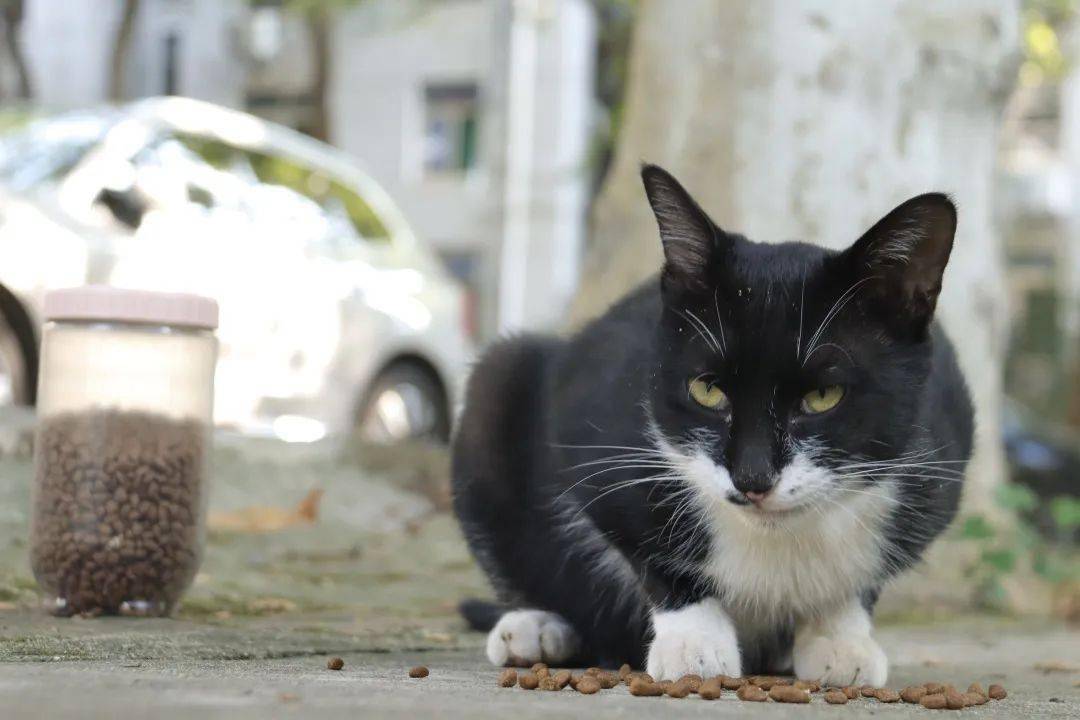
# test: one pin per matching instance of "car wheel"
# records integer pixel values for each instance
(14, 372)
(406, 402)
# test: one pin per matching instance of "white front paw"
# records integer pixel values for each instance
(840, 661)
(698, 639)
(524, 637)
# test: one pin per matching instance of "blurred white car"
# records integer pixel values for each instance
(333, 316)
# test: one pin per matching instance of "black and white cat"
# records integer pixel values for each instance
(719, 474)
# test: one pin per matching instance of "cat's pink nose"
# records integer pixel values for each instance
(755, 497)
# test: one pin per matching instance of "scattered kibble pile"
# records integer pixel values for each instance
(116, 521)
(756, 688)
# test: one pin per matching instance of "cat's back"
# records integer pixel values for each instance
(625, 332)
(948, 410)
(528, 391)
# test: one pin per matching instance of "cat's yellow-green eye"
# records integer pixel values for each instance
(822, 399)
(707, 394)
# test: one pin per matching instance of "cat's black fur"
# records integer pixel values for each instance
(543, 525)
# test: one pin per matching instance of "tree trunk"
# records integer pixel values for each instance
(13, 15)
(798, 119)
(121, 46)
(319, 31)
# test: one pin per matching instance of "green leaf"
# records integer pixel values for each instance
(1017, 497)
(1001, 560)
(1066, 512)
(976, 527)
(1050, 568)
(1026, 536)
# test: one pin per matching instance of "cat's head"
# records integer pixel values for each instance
(780, 367)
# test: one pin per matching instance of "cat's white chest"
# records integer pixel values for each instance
(801, 567)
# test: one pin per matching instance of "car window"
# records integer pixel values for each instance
(47, 150)
(335, 198)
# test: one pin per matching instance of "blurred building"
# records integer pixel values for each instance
(1040, 214)
(474, 114)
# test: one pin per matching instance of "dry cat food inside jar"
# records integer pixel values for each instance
(125, 404)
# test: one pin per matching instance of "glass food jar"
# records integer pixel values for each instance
(125, 400)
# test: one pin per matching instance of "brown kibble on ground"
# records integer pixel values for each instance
(976, 688)
(678, 690)
(732, 683)
(693, 682)
(996, 692)
(751, 693)
(335, 664)
(913, 694)
(588, 685)
(562, 678)
(508, 678)
(973, 698)
(868, 691)
(933, 688)
(418, 672)
(710, 689)
(933, 701)
(808, 685)
(887, 695)
(789, 694)
(644, 688)
(765, 682)
(625, 670)
(540, 670)
(636, 674)
(607, 680)
(954, 700)
(548, 682)
(528, 681)
(851, 691)
(836, 697)
(594, 671)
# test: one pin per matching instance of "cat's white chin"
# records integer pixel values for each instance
(776, 514)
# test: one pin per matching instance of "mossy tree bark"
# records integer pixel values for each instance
(795, 119)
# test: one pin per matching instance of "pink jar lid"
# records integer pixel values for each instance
(110, 304)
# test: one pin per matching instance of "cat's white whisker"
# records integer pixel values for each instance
(720, 322)
(702, 330)
(834, 311)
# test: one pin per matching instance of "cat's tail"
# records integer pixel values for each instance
(481, 614)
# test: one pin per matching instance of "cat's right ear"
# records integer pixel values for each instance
(691, 240)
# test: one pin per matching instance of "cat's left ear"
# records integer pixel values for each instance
(902, 258)
(693, 244)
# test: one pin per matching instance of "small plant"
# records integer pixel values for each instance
(1019, 547)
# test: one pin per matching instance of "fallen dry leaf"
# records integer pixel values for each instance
(1055, 666)
(270, 605)
(261, 519)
